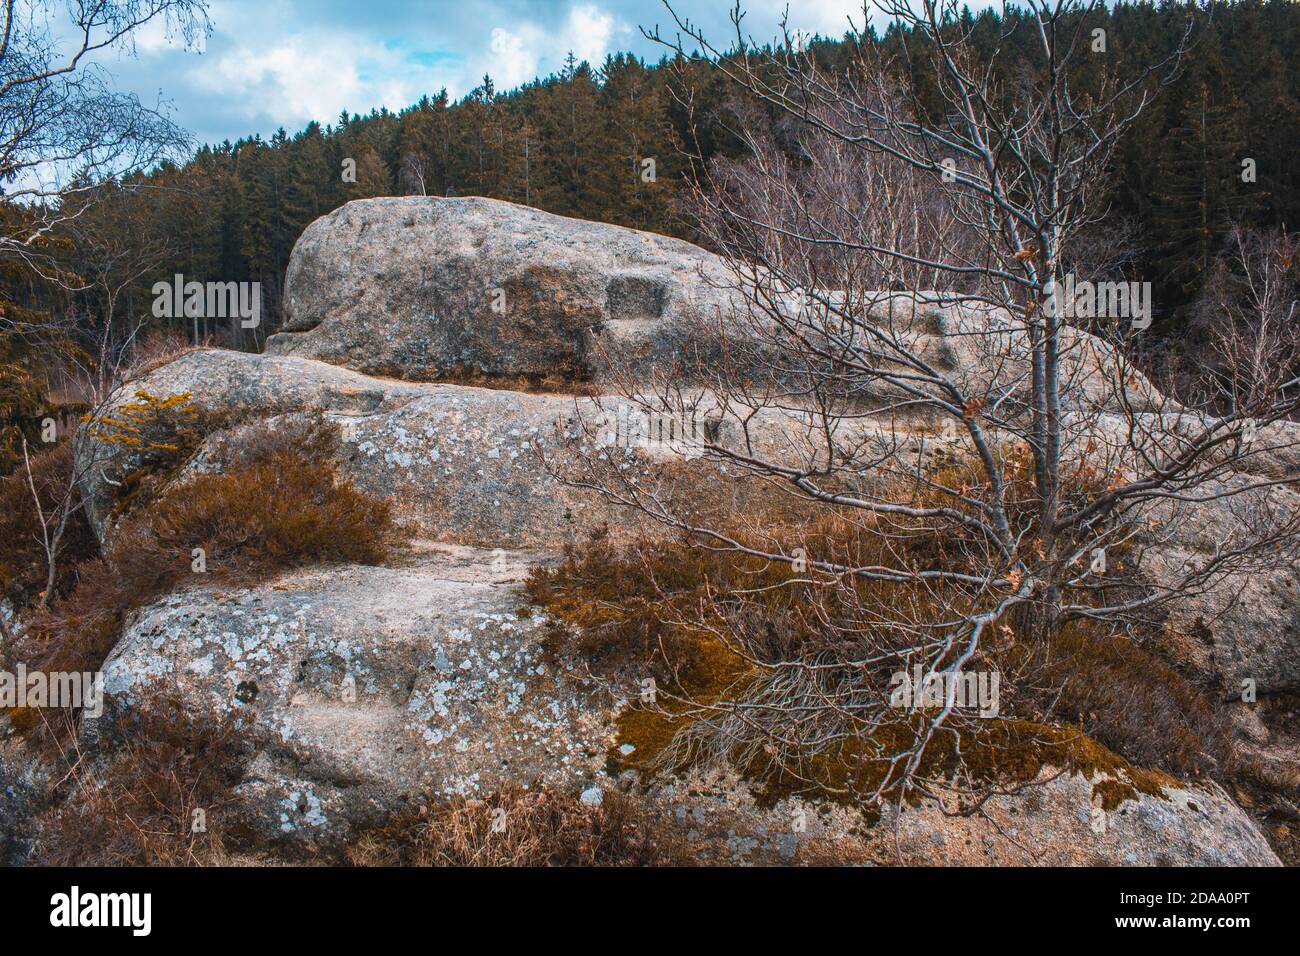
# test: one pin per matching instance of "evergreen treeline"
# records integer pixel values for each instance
(576, 143)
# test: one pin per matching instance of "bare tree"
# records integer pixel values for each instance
(65, 137)
(1248, 312)
(413, 175)
(909, 293)
(116, 245)
(63, 129)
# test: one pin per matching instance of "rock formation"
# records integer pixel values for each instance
(364, 689)
(428, 289)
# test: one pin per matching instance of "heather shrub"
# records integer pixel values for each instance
(280, 505)
(527, 828)
(23, 560)
(138, 806)
(1124, 696)
(159, 434)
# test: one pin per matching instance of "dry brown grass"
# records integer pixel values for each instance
(138, 807)
(279, 506)
(1124, 696)
(618, 606)
(527, 828)
(1268, 779)
(155, 350)
(22, 553)
(678, 611)
(555, 383)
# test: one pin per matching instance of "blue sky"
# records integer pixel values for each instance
(271, 63)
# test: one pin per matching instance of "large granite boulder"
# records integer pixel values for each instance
(428, 288)
(363, 690)
(463, 464)
(485, 467)
(459, 289)
(459, 464)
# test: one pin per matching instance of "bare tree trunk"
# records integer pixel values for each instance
(1062, 450)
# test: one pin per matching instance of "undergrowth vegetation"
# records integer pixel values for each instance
(527, 828)
(160, 799)
(743, 651)
(23, 557)
(277, 503)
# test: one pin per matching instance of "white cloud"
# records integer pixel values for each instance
(527, 49)
(318, 73)
(302, 77)
(276, 63)
(511, 60)
(152, 37)
(589, 33)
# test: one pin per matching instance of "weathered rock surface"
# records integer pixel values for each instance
(1056, 822)
(24, 793)
(366, 689)
(429, 288)
(462, 464)
(1246, 625)
(1060, 824)
(986, 354)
